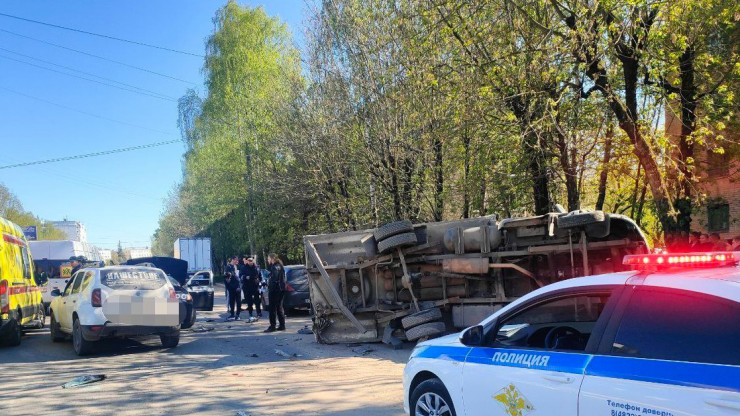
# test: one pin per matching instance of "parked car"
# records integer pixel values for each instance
(116, 301)
(187, 309)
(200, 287)
(20, 298)
(297, 294)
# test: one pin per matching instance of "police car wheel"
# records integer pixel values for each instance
(430, 398)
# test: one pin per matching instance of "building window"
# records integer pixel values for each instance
(718, 217)
(718, 164)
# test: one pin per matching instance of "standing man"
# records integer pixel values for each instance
(235, 298)
(231, 268)
(76, 263)
(250, 276)
(276, 292)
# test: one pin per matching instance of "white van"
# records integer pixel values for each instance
(51, 261)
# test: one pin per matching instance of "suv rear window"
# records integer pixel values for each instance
(130, 279)
(678, 325)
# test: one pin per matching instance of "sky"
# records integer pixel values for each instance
(46, 114)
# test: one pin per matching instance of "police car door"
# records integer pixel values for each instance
(535, 357)
(672, 353)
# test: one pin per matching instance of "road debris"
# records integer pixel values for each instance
(242, 413)
(286, 355)
(252, 320)
(362, 351)
(254, 355)
(202, 329)
(83, 380)
(305, 331)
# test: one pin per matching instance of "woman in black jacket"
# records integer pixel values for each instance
(276, 292)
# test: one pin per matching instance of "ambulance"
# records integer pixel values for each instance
(662, 339)
(20, 298)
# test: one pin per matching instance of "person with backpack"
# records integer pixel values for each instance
(276, 292)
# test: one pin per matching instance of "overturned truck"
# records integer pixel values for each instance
(407, 282)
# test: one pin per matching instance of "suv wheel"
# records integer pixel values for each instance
(170, 341)
(80, 344)
(55, 331)
(430, 398)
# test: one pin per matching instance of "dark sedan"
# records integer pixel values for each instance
(297, 295)
(187, 308)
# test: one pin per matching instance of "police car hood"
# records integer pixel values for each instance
(452, 339)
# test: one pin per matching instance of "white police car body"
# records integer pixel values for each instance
(663, 341)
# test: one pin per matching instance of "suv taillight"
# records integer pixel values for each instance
(289, 288)
(96, 299)
(4, 300)
(172, 294)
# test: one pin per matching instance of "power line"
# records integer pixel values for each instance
(86, 73)
(97, 57)
(102, 153)
(84, 112)
(155, 95)
(102, 36)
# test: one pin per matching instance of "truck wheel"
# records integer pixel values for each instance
(392, 228)
(55, 331)
(14, 333)
(579, 219)
(399, 240)
(431, 398)
(422, 317)
(170, 341)
(80, 344)
(425, 330)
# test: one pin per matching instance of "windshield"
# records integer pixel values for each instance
(132, 279)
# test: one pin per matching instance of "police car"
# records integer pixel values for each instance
(663, 339)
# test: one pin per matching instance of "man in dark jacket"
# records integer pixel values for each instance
(250, 277)
(276, 292)
(231, 268)
(76, 263)
(235, 299)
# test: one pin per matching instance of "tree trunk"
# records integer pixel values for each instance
(568, 164)
(438, 179)
(466, 176)
(605, 167)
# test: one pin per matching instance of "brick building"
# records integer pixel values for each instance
(718, 182)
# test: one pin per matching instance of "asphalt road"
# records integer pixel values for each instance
(234, 367)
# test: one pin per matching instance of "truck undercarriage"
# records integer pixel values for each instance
(407, 282)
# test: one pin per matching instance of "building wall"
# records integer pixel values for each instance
(138, 252)
(74, 230)
(718, 181)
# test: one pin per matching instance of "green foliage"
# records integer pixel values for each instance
(11, 209)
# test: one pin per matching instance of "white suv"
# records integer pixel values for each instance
(119, 301)
(660, 340)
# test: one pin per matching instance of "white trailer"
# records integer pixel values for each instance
(196, 251)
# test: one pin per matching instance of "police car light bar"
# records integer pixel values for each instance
(713, 259)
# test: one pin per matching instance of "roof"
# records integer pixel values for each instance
(11, 228)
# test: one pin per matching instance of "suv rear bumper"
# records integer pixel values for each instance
(96, 332)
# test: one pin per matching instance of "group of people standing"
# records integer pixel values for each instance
(245, 280)
(701, 242)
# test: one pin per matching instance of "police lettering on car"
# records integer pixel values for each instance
(663, 339)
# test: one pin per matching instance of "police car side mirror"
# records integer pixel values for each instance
(473, 336)
(56, 292)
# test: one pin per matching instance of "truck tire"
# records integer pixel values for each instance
(399, 240)
(579, 219)
(422, 317)
(425, 330)
(392, 228)
(13, 338)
